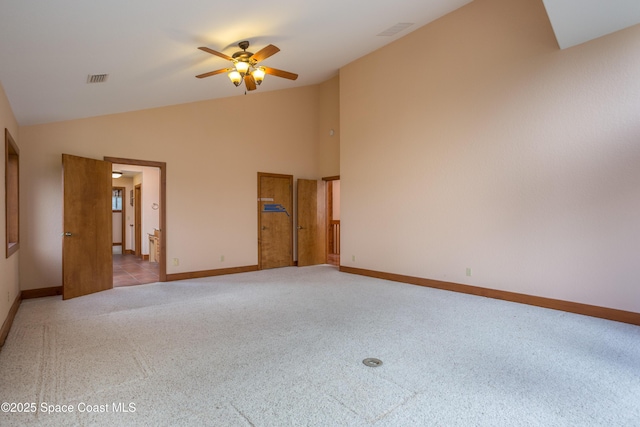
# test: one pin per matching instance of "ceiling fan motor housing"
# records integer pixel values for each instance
(243, 56)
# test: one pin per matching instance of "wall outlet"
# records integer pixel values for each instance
(176, 261)
(468, 271)
(221, 258)
(353, 258)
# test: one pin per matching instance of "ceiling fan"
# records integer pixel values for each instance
(245, 66)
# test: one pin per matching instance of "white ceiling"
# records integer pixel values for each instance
(578, 21)
(149, 48)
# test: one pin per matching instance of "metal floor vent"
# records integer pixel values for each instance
(372, 362)
(97, 78)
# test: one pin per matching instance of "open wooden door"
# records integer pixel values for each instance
(87, 220)
(312, 234)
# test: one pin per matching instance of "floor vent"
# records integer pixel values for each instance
(392, 31)
(97, 78)
(372, 362)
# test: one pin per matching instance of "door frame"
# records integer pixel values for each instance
(329, 209)
(311, 212)
(291, 244)
(162, 211)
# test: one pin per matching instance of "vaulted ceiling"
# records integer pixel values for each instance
(149, 51)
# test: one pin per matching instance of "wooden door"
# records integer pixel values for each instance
(87, 226)
(275, 221)
(311, 228)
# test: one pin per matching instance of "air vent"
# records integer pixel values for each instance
(395, 29)
(97, 78)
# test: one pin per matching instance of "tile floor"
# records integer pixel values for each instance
(130, 270)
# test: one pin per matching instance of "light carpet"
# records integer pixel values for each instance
(284, 347)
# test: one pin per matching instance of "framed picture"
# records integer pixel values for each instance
(131, 197)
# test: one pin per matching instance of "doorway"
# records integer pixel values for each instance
(333, 220)
(137, 224)
(146, 220)
(119, 213)
(87, 249)
(311, 231)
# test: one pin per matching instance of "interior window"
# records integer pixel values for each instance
(116, 200)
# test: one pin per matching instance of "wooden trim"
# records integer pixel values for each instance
(121, 160)
(568, 306)
(276, 175)
(42, 292)
(145, 257)
(329, 215)
(210, 273)
(162, 262)
(6, 325)
(129, 252)
(328, 205)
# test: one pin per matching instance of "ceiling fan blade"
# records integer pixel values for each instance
(280, 73)
(264, 53)
(213, 52)
(212, 73)
(249, 82)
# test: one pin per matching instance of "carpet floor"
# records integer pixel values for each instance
(284, 347)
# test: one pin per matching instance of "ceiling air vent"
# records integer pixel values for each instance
(97, 78)
(392, 31)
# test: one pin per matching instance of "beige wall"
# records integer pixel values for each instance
(329, 119)
(213, 150)
(9, 285)
(498, 152)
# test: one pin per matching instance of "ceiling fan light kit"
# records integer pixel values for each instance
(245, 66)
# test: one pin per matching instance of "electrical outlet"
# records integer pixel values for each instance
(221, 258)
(468, 271)
(176, 261)
(353, 258)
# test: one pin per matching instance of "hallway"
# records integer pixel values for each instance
(129, 270)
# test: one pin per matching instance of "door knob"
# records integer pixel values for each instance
(300, 227)
(67, 234)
